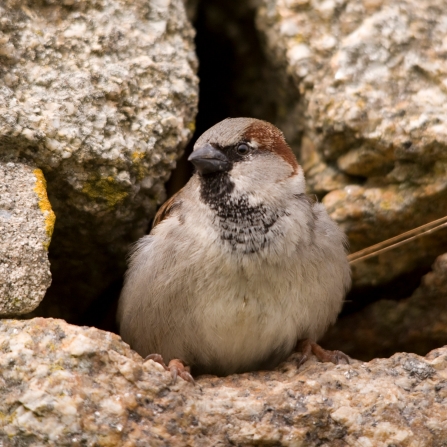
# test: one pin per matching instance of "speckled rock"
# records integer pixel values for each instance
(371, 78)
(416, 324)
(101, 95)
(26, 226)
(63, 385)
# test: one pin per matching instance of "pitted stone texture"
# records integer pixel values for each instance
(26, 226)
(101, 94)
(63, 385)
(371, 75)
(417, 324)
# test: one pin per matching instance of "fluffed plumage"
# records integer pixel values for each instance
(240, 264)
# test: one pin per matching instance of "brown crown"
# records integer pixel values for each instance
(270, 138)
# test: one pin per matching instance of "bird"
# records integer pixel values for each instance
(241, 265)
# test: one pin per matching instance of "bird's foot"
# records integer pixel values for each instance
(176, 367)
(308, 348)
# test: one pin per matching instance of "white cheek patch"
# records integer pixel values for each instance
(265, 178)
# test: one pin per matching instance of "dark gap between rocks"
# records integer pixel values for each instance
(400, 288)
(235, 77)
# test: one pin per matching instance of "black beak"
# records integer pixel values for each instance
(208, 159)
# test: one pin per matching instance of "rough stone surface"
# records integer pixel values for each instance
(26, 226)
(371, 76)
(101, 95)
(416, 324)
(64, 385)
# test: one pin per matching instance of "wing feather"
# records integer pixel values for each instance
(167, 208)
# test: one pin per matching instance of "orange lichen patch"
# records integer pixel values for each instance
(44, 205)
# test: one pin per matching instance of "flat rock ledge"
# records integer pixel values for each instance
(78, 386)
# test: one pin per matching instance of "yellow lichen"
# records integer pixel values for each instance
(137, 156)
(56, 367)
(45, 206)
(191, 126)
(5, 418)
(139, 168)
(105, 188)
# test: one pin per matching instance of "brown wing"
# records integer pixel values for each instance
(166, 209)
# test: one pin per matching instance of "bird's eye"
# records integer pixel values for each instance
(243, 149)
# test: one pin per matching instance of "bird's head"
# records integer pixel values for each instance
(252, 154)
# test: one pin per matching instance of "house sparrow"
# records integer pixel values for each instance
(240, 264)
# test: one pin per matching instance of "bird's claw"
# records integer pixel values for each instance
(336, 357)
(176, 367)
(157, 358)
(309, 347)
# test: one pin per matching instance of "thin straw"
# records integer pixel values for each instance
(397, 241)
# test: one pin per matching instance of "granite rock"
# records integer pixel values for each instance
(371, 79)
(26, 226)
(101, 95)
(64, 385)
(417, 324)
